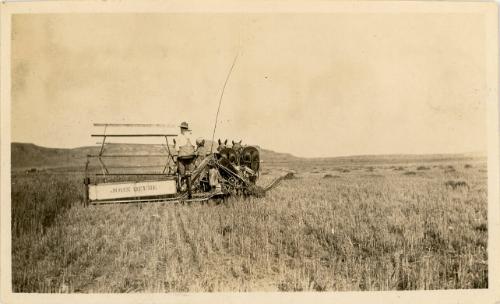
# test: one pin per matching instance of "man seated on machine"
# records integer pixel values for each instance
(185, 152)
(186, 157)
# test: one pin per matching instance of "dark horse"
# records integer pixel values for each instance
(228, 153)
(239, 154)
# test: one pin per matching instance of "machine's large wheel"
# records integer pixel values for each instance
(250, 157)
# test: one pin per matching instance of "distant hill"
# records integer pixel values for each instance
(25, 155)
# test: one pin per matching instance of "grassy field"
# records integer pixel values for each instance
(366, 227)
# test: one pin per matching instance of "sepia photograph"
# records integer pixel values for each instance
(291, 150)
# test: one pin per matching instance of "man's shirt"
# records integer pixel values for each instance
(183, 140)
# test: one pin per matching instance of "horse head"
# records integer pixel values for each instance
(222, 145)
(237, 146)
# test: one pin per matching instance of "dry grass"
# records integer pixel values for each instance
(356, 232)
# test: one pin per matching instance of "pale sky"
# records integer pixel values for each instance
(313, 85)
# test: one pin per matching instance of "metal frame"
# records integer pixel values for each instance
(101, 155)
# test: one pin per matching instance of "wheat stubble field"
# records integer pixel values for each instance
(331, 228)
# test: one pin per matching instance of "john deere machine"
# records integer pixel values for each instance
(227, 170)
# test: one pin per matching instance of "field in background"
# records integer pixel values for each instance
(336, 226)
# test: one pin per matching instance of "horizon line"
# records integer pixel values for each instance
(479, 152)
